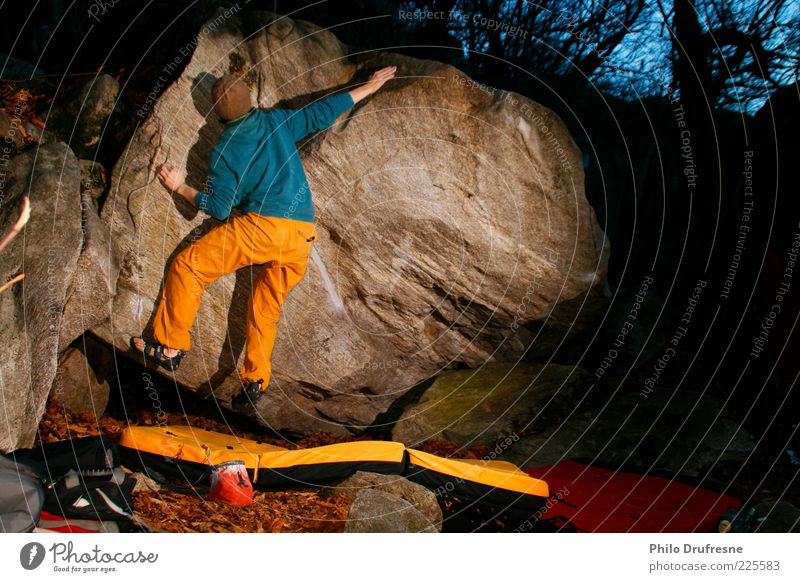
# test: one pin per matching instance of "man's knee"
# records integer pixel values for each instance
(183, 260)
(190, 261)
(265, 315)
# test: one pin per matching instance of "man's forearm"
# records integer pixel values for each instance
(359, 93)
(187, 193)
(376, 81)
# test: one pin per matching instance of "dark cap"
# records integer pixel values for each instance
(231, 97)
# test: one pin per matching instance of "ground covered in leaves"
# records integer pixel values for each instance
(295, 509)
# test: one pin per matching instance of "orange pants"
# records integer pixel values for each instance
(283, 245)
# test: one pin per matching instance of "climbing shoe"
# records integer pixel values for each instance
(154, 352)
(250, 394)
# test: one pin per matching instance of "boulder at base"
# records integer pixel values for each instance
(375, 511)
(490, 403)
(422, 498)
(449, 219)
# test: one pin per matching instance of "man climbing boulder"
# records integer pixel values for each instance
(255, 167)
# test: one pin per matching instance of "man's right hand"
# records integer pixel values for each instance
(171, 178)
(376, 81)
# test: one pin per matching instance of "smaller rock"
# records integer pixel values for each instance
(375, 511)
(77, 386)
(92, 108)
(420, 497)
(98, 97)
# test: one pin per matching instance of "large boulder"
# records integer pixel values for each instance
(47, 252)
(450, 218)
(491, 403)
(70, 270)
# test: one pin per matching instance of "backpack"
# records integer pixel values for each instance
(83, 480)
(102, 494)
(21, 496)
(87, 453)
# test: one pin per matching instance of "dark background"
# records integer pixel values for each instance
(622, 75)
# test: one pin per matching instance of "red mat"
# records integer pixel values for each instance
(603, 500)
(49, 523)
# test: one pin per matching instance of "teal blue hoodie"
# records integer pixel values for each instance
(255, 164)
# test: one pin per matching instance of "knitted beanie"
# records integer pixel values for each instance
(231, 97)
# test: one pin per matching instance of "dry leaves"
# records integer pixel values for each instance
(294, 509)
(19, 104)
(299, 510)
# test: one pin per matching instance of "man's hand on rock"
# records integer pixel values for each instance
(171, 178)
(175, 180)
(376, 81)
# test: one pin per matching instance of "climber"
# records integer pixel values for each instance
(255, 166)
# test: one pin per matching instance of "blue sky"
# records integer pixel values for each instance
(640, 67)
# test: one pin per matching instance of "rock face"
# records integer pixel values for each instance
(47, 251)
(490, 403)
(449, 219)
(375, 511)
(94, 284)
(421, 498)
